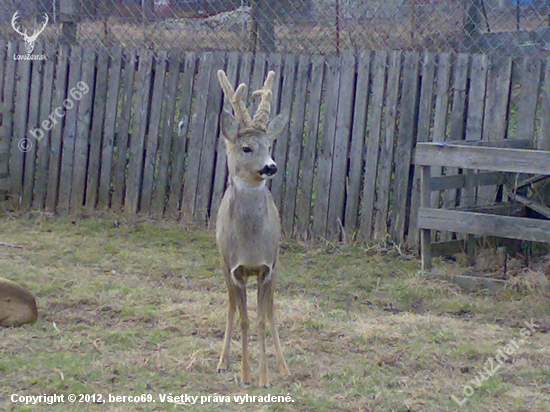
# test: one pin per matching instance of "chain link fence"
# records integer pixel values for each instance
(495, 27)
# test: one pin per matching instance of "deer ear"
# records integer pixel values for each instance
(276, 126)
(229, 126)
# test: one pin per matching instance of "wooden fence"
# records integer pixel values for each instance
(145, 138)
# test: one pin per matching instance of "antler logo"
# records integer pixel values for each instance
(29, 40)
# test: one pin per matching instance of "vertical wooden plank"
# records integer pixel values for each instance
(275, 62)
(3, 59)
(112, 110)
(123, 127)
(295, 145)
(153, 133)
(543, 141)
(495, 121)
(257, 81)
(179, 145)
(476, 106)
(385, 159)
(209, 140)
(373, 143)
(404, 148)
(20, 143)
(69, 132)
(8, 108)
(441, 111)
(326, 147)
(460, 83)
(220, 174)
(530, 78)
(33, 122)
(308, 158)
(358, 135)
(196, 138)
(425, 235)
(43, 146)
(476, 97)
(425, 111)
(54, 164)
(457, 116)
(165, 142)
(98, 121)
(83, 121)
(139, 129)
(335, 216)
(281, 144)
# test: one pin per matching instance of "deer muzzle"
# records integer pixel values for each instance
(268, 170)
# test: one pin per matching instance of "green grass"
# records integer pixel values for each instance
(139, 308)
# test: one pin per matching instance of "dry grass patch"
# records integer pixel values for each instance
(131, 308)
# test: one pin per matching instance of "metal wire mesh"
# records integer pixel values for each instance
(494, 27)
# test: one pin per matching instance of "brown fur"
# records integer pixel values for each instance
(17, 305)
(248, 226)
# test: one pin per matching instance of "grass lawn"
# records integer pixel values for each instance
(139, 308)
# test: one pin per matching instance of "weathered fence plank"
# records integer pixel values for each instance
(281, 144)
(43, 146)
(358, 134)
(220, 174)
(81, 144)
(295, 145)
(496, 104)
(17, 156)
(122, 135)
(54, 163)
(325, 153)
(161, 62)
(308, 158)
(196, 137)
(530, 77)
(373, 144)
(165, 139)
(425, 112)
(543, 141)
(96, 133)
(476, 97)
(112, 111)
(209, 141)
(180, 142)
(139, 129)
(404, 148)
(32, 122)
(441, 111)
(385, 158)
(335, 217)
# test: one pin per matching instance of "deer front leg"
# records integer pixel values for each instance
(264, 292)
(239, 283)
(223, 364)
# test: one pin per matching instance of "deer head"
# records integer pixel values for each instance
(249, 140)
(29, 40)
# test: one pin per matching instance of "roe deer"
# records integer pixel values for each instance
(248, 227)
(17, 305)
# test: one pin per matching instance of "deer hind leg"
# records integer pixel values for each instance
(281, 364)
(239, 286)
(223, 364)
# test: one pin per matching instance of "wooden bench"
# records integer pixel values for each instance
(497, 159)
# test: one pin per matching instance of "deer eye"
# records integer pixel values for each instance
(247, 149)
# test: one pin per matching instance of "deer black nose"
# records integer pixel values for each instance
(269, 170)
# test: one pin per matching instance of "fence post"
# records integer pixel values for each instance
(69, 16)
(263, 31)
